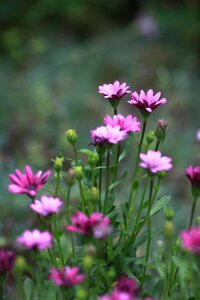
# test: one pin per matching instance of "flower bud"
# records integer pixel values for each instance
(150, 137)
(20, 264)
(169, 213)
(93, 159)
(7, 261)
(81, 294)
(161, 129)
(79, 172)
(71, 174)
(58, 163)
(90, 250)
(88, 262)
(169, 229)
(111, 273)
(94, 193)
(71, 136)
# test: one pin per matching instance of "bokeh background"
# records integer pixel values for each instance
(55, 53)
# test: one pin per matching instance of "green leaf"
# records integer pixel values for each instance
(125, 151)
(28, 288)
(116, 183)
(86, 151)
(160, 203)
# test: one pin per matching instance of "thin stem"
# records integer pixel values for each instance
(192, 212)
(57, 184)
(81, 196)
(107, 180)
(115, 110)
(142, 201)
(67, 204)
(1, 291)
(75, 154)
(148, 233)
(116, 162)
(100, 181)
(137, 161)
(157, 145)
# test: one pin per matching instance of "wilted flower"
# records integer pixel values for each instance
(86, 225)
(107, 134)
(190, 240)
(27, 183)
(193, 173)
(35, 239)
(46, 206)
(114, 91)
(127, 124)
(154, 162)
(7, 261)
(66, 277)
(147, 102)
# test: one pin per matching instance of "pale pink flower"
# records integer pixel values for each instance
(87, 225)
(114, 91)
(66, 277)
(103, 229)
(35, 239)
(7, 261)
(27, 183)
(107, 134)
(198, 135)
(190, 240)
(147, 101)
(154, 162)
(127, 124)
(46, 206)
(193, 173)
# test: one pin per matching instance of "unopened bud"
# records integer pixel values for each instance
(150, 137)
(20, 263)
(161, 174)
(79, 172)
(169, 213)
(88, 262)
(161, 129)
(93, 159)
(169, 229)
(111, 273)
(71, 174)
(58, 163)
(94, 193)
(81, 294)
(71, 136)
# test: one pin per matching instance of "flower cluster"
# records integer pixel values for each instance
(66, 277)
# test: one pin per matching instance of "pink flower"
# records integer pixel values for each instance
(66, 277)
(7, 261)
(114, 91)
(198, 135)
(27, 183)
(86, 225)
(190, 240)
(125, 289)
(46, 206)
(154, 162)
(103, 229)
(35, 239)
(127, 124)
(107, 134)
(147, 101)
(193, 173)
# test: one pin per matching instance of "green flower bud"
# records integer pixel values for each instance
(169, 213)
(94, 193)
(111, 273)
(58, 163)
(161, 174)
(71, 174)
(93, 159)
(150, 137)
(20, 263)
(88, 262)
(79, 172)
(71, 136)
(169, 229)
(81, 294)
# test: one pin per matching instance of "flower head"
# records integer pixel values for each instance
(46, 206)
(7, 261)
(107, 134)
(27, 183)
(198, 135)
(154, 162)
(127, 124)
(114, 91)
(35, 239)
(66, 277)
(193, 173)
(147, 102)
(190, 240)
(86, 225)
(103, 229)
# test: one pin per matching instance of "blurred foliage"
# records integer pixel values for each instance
(54, 54)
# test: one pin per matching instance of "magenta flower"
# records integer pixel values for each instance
(46, 206)
(114, 91)
(35, 239)
(86, 225)
(125, 289)
(66, 277)
(154, 162)
(147, 101)
(127, 124)
(193, 173)
(27, 183)
(190, 240)
(107, 134)
(7, 261)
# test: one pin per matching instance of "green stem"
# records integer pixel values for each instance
(157, 145)
(1, 291)
(192, 212)
(75, 154)
(100, 180)
(58, 240)
(107, 180)
(148, 234)
(142, 201)
(116, 162)
(67, 204)
(115, 110)
(137, 162)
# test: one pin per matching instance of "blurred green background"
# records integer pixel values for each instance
(55, 53)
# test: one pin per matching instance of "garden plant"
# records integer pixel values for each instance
(102, 243)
